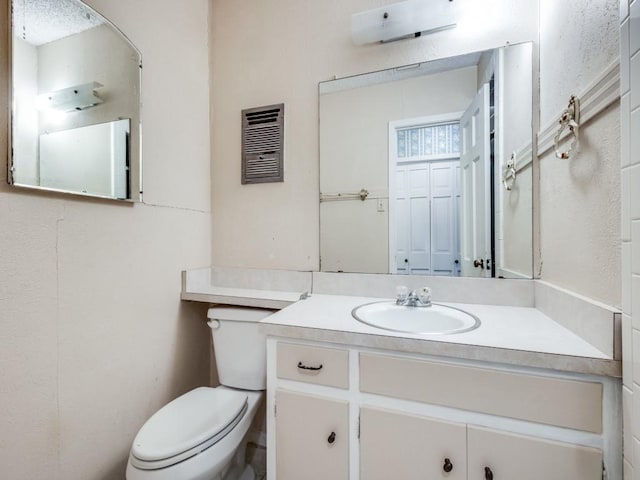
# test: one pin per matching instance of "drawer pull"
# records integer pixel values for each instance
(448, 466)
(332, 437)
(305, 367)
(488, 474)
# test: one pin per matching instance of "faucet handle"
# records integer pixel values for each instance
(424, 295)
(401, 293)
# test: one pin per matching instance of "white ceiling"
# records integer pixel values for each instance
(43, 21)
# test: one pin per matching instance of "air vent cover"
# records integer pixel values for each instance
(262, 144)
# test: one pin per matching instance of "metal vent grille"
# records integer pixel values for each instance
(262, 142)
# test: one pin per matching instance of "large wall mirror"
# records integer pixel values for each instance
(426, 169)
(75, 124)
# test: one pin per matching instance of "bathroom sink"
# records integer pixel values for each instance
(432, 320)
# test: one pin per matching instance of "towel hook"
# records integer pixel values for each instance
(570, 118)
(509, 173)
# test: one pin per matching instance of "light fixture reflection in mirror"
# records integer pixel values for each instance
(76, 102)
(429, 144)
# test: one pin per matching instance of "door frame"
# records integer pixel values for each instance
(392, 161)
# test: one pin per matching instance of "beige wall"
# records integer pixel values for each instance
(354, 149)
(580, 198)
(269, 52)
(93, 336)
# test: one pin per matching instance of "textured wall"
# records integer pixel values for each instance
(278, 51)
(580, 198)
(93, 336)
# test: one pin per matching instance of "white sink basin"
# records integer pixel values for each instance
(434, 320)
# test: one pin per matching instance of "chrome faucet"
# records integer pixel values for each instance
(413, 298)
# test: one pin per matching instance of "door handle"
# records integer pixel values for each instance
(479, 263)
(301, 366)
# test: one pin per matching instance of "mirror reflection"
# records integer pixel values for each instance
(76, 102)
(426, 169)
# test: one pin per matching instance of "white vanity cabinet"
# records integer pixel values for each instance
(397, 445)
(343, 412)
(312, 434)
(494, 455)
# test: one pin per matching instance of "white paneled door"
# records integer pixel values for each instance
(426, 218)
(475, 175)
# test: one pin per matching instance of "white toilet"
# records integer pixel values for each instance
(202, 434)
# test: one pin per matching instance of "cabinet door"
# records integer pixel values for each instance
(312, 437)
(503, 456)
(401, 446)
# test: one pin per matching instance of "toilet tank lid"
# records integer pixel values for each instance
(239, 314)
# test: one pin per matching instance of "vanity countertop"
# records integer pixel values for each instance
(249, 288)
(510, 335)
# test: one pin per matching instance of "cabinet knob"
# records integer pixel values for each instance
(448, 466)
(332, 437)
(488, 474)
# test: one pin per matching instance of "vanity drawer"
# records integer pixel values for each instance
(551, 401)
(319, 365)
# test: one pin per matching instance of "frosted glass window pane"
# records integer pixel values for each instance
(429, 140)
(415, 142)
(402, 143)
(455, 130)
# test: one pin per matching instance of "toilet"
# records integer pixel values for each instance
(202, 434)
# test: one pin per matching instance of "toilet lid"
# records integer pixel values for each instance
(187, 422)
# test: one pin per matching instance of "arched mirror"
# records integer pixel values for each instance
(75, 123)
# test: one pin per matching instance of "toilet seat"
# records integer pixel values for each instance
(187, 426)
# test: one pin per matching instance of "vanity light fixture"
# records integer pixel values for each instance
(398, 21)
(70, 99)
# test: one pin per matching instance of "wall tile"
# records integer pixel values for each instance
(636, 454)
(628, 470)
(625, 119)
(624, 9)
(627, 352)
(635, 251)
(626, 278)
(634, 414)
(634, 187)
(636, 356)
(628, 422)
(634, 140)
(624, 57)
(634, 77)
(635, 303)
(625, 205)
(634, 27)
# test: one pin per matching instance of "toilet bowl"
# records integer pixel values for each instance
(202, 434)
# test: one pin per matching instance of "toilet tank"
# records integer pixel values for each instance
(240, 349)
